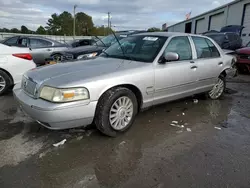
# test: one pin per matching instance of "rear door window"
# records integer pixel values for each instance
(202, 47)
(39, 43)
(215, 52)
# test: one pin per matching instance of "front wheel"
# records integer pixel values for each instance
(116, 111)
(5, 82)
(218, 89)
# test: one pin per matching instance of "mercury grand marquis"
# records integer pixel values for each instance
(136, 73)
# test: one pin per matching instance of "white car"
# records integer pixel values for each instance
(14, 62)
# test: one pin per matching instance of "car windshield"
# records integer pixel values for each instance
(217, 38)
(248, 45)
(108, 40)
(138, 48)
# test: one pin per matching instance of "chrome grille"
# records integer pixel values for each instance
(29, 86)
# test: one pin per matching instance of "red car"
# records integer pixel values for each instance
(243, 59)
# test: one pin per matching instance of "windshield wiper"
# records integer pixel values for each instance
(125, 57)
(100, 40)
(105, 53)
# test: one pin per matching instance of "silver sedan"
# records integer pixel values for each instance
(141, 71)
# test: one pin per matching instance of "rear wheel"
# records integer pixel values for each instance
(218, 89)
(5, 82)
(116, 111)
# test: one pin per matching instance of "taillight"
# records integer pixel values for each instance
(23, 56)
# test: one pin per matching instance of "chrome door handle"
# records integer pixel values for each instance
(194, 67)
(49, 50)
(192, 62)
(220, 63)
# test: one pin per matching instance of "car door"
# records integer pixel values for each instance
(176, 79)
(209, 61)
(40, 50)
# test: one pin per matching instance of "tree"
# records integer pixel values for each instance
(14, 30)
(66, 23)
(53, 24)
(40, 30)
(24, 29)
(5, 30)
(84, 24)
(154, 29)
(61, 24)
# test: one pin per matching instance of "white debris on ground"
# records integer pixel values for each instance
(18, 148)
(218, 128)
(60, 143)
(195, 101)
(176, 125)
(123, 142)
(183, 113)
(189, 130)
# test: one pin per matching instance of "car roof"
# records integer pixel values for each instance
(167, 34)
(35, 37)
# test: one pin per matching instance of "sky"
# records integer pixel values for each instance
(126, 14)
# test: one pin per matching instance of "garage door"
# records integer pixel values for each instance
(201, 26)
(217, 22)
(246, 23)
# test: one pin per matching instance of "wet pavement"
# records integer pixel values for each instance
(212, 150)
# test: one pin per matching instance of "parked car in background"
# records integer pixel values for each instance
(80, 42)
(232, 29)
(14, 62)
(243, 59)
(228, 40)
(140, 71)
(40, 48)
(85, 52)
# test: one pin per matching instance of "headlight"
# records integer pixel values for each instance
(87, 55)
(64, 95)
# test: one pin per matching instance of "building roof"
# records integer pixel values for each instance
(213, 10)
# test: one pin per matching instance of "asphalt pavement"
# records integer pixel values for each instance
(207, 145)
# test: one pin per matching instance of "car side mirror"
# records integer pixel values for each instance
(169, 56)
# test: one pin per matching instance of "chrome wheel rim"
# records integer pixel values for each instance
(217, 89)
(2, 83)
(121, 113)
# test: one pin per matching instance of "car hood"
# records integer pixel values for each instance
(84, 49)
(84, 69)
(245, 50)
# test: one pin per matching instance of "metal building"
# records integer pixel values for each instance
(234, 13)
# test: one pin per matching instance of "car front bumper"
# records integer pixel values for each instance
(56, 116)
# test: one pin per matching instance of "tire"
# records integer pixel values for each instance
(56, 57)
(218, 89)
(109, 100)
(5, 82)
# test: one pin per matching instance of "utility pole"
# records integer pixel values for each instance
(108, 21)
(74, 24)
